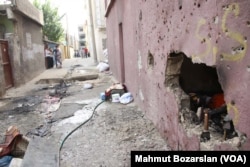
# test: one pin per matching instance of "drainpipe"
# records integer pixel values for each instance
(92, 32)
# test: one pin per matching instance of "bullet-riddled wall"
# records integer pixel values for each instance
(142, 36)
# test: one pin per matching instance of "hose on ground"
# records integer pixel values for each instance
(78, 127)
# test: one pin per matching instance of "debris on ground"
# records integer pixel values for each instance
(117, 93)
(13, 146)
(113, 131)
(126, 98)
(88, 86)
(102, 66)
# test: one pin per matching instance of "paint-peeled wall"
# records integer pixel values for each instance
(26, 50)
(143, 33)
(32, 49)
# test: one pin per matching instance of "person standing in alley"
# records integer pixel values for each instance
(86, 52)
(54, 56)
(58, 57)
(48, 57)
(82, 52)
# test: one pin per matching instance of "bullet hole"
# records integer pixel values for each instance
(245, 39)
(191, 14)
(216, 20)
(195, 4)
(199, 5)
(232, 102)
(248, 23)
(216, 41)
(209, 36)
(150, 59)
(241, 48)
(140, 15)
(203, 41)
(221, 57)
(180, 7)
(225, 7)
(238, 49)
(248, 68)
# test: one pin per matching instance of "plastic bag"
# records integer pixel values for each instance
(126, 98)
(102, 66)
(88, 86)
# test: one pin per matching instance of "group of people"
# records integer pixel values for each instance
(84, 53)
(53, 57)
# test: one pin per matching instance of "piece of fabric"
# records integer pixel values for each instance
(5, 161)
(217, 101)
(12, 136)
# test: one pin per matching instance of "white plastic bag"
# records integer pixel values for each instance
(88, 86)
(126, 98)
(102, 66)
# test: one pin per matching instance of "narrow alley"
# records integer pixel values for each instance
(108, 83)
(46, 111)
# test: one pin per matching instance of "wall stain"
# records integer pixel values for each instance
(233, 108)
(235, 9)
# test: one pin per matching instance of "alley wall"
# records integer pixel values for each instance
(143, 33)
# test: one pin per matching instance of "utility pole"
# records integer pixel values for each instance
(67, 37)
(92, 32)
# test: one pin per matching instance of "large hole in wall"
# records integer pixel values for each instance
(200, 98)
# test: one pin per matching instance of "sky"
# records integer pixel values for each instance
(75, 13)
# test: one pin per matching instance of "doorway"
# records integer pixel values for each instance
(121, 53)
(7, 70)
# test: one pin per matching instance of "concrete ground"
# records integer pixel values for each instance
(54, 104)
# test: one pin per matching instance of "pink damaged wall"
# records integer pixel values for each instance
(216, 33)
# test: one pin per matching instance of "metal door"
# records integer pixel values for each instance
(6, 64)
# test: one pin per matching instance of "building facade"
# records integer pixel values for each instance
(165, 51)
(95, 29)
(82, 37)
(22, 45)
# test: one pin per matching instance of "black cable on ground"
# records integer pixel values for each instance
(78, 128)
